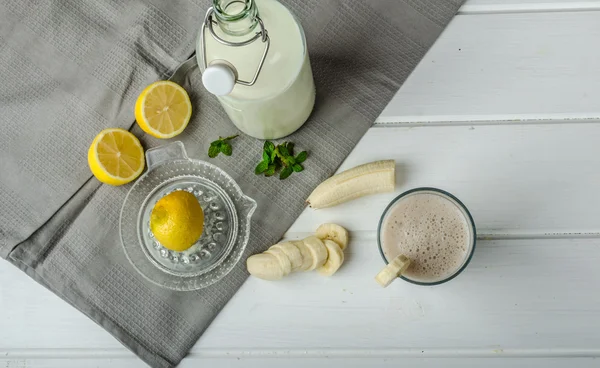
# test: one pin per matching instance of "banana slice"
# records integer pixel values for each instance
(333, 232)
(284, 261)
(264, 266)
(392, 270)
(307, 257)
(293, 254)
(371, 178)
(335, 258)
(317, 250)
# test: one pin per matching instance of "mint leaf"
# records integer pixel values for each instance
(280, 158)
(229, 138)
(270, 170)
(301, 157)
(213, 150)
(261, 167)
(283, 150)
(221, 145)
(226, 149)
(285, 173)
(290, 148)
(269, 147)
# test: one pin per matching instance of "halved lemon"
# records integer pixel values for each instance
(116, 157)
(163, 109)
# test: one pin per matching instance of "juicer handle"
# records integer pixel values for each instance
(168, 152)
(249, 205)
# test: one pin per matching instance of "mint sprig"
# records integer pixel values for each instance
(279, 157)
(221, 145)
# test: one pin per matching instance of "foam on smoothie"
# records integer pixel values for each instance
(430, 229)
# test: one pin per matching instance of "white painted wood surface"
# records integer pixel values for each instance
(195, 361)
(515, 179)
(468, 121)
(506, 68)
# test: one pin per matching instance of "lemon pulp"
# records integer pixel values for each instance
(163, 109)
(116, 157)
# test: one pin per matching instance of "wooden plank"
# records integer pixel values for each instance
(506, 67)
(517, 299)
(195, 362)
(515, 295)
(33, 317)
(521, 179)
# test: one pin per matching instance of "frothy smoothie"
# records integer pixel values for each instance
(431, 229)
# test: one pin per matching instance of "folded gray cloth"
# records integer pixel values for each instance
(71, 68)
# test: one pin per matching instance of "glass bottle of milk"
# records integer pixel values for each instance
(253, 57)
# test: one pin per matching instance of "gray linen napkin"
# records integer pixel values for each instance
(72, 68)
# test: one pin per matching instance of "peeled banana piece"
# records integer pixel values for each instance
(284, 261)
(322, 252)
(307, 259)
(333, 232)
(293, 254)
(371, 178)
(392, 270)
(317, 250)
(335, 258)
(264, 266)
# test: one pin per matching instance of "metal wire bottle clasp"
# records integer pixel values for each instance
(262, 35)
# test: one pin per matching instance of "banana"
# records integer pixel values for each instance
(284, 261)
(392, 270)
(307, 258)
(293, 254)
(264, 266)
(333, 232)
(335, 258)
(317, 250)
(374, 177)
(323, 252)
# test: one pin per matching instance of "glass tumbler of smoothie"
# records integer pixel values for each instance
(253, 57)
(433, 229)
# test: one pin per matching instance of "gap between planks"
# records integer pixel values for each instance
(472, 8)
(449, 121)
(491, 352)
(369, 235)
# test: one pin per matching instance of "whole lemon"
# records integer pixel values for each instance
(177, 220)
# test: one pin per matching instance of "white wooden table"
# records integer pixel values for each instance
(504, 113)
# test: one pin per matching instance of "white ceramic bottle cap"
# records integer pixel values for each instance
(218, 79)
